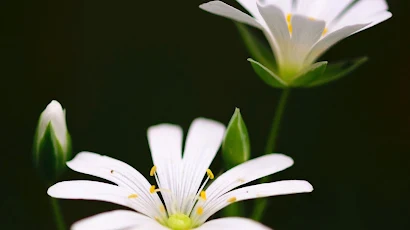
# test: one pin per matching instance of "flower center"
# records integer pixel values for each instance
(179, 222)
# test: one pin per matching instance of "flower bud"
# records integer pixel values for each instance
(235, 147)
(52, 142)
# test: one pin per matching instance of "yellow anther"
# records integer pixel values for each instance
(133, 196)
(290, 28)
(200, 210)
(162, 208)
(210, 174)
(325, 31)
(232, 199)
(312, 18)
(153, 170)
(203, 195)
(288, 17)
(152, 189)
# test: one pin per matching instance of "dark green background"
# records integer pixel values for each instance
(120, 66)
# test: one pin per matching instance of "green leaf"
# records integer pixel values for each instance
(258, 48)
(235, 147)
(267, 75)
(338, 70)
(312, 73)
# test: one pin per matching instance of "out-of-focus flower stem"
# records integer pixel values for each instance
(58, 217)
(261, 204)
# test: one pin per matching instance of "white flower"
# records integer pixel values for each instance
(180, 179)
(300, 31)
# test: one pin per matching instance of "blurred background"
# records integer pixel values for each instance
(119, 67)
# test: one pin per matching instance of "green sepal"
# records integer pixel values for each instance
(236, 150)
(267, 75)
(258, 49)
(49, 156)
(236, 146)
(337, 70)
(311, 74)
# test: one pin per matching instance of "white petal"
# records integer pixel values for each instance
(55, 114)
(362, 12)
(165, 141)
(248, 172)
(326, 10)
(275, 20)
(203, 141)
(117, 172)
(250, 6)
(225, 10)
(255, 191)
(306, 33)
(113, 220)
(331, 39)
(277, 30)
(284, 5)
(91, 190)
(232, 223)
(376, 19)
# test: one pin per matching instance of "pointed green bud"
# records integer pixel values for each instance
(236, 148)
(52, 142)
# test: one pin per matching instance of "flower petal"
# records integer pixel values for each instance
(277, 31)
(361, 12)
(331, 39)
(117, 172)
(225, 10)
(113, 220)
(232, 223)
(306, 32)
(255, 191)
(165, 141)
(275, 20)
(250, 6)
(248, 172)
(284, 5)
(91, 190)
(326, 10)
(203, 141)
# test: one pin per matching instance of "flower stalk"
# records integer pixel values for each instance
(261, 204)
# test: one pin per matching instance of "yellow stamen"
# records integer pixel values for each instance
(325, 31)
(312, 18)
(290, 28)
(152, 189)
(200, 210)
(288, 17)
(203, 195)
(210, 174)
(232, 199)
(162, 208)
(153, 170)
(133, 196)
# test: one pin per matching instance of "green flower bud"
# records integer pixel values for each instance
(236, 148)
(52, 142)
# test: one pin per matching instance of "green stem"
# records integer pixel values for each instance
(261, 204)
(58, 217)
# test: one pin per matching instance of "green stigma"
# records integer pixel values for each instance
(179, 222)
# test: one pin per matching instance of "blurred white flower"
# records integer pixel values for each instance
(300, 31)
(180, 182)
